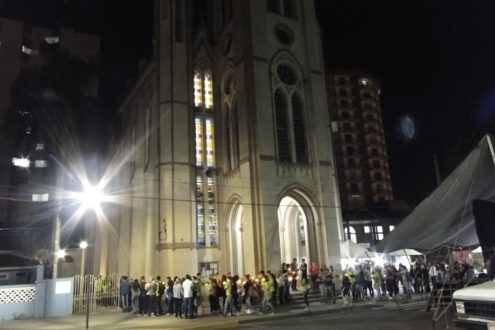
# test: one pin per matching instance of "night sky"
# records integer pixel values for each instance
(435, 61)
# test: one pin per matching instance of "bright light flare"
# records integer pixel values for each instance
(91, 197)
(21, 162)
(60, 254)
(83, 245)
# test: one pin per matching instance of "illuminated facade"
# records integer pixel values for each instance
(236, 174)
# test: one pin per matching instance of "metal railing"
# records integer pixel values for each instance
(99, 291)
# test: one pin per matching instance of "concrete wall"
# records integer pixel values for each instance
(48, 298)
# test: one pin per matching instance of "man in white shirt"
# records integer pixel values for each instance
(187, 286)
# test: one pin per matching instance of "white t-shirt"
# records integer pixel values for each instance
(187, 287)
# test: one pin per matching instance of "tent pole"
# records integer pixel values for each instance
(490, 145)
(408, 258)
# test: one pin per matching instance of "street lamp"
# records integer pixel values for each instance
(91, 197)
(83, 245)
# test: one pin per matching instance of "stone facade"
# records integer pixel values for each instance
(226, 145)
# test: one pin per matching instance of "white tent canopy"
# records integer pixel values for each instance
(351, 250)
(445, 217)
(404, 253)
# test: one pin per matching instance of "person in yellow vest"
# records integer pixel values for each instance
(267, 287)
(227, 286)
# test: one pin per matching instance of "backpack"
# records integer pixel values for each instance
(161, 288)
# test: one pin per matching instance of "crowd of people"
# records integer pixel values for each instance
(228, 295)
(368, 281)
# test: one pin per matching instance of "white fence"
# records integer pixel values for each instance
(99, 291)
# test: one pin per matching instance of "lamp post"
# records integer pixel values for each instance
(91, 198)
(56, 248)
(83, 245)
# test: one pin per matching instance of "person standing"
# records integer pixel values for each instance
(170, 295)
(293, 269)
(377, 278)
(142, 297)
(136, 288)
(227, 287)
(125, 290)
(248, 287)
(266, 286)
(151, 288)
(303, 268)
(187, 289)
(178, 294)
(159, 294)
(314, 272)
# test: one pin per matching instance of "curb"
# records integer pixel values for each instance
(298, 313)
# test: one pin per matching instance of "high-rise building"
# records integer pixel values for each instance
(27, 169)
(359, 141)
(227, 142)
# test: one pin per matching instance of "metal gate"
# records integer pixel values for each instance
(97, 291)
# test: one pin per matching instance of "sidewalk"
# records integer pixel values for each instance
(114, 319)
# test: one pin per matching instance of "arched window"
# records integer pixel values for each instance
(230, 120)
(282, 127)
(299, 133)
(350, 233)
(289, 114)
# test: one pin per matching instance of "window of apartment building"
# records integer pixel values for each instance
(349, 150)
(391, 228)
(350, 233)
(378, 233)
(40, 163)
(374, 151)
(341, 80)
(335, 126)
(376, 164)
(345, 114)
(344, 103)
(342, 92)
(354, 188)
(378, 176)
(347, 126)
(367, 229)
(40, 197)
(351, 162)
(348, 138)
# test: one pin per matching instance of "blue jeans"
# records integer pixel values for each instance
(228, 305)
(188, 307)
(177, 307)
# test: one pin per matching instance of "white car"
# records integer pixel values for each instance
(475, 306)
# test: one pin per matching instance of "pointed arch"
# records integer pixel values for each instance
(289, 108)
(296, 206)
(235, 230)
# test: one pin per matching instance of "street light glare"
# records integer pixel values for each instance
(83, 244)
(91, 197)
(60, 254)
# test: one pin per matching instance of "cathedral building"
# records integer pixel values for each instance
(226, 145)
